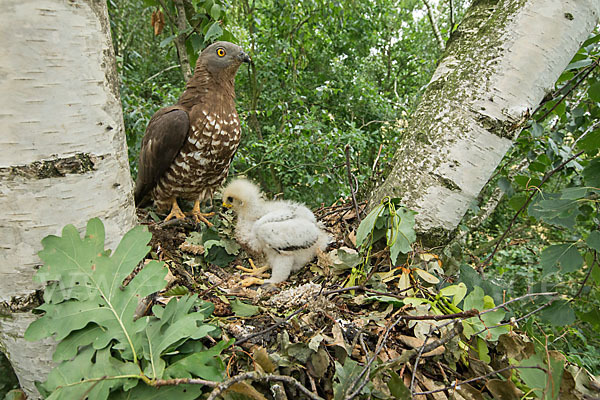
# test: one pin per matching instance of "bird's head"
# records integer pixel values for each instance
(223, 58)
(241, 195)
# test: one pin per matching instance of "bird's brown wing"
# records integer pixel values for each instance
(165, 135)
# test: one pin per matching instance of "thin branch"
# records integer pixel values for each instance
(180, 40)
(353, 186)
(269, 329)
(161, 72)
(587, 276)
(523, 207)
(585, 75)
(478, 378)
(255, 376)
(434, 26)
(513, 322)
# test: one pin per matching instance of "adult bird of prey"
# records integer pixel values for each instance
(188, 147)
(285, 232)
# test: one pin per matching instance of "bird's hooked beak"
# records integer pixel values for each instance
(244, 57)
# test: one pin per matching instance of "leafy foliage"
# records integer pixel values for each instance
(103, 347)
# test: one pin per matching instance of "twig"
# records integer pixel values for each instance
(585, 75)
(517, 299)
(523, 207)
(513, 322)
(353, 186)
(255, 376)
(160, 72)
(377, 158)
(478, 378)
(184, 381)
(594, 262)
(269, 329)
(434, 26)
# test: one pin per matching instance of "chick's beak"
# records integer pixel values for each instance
(227, 205)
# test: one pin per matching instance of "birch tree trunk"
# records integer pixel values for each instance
(505, 56)
(63, 157)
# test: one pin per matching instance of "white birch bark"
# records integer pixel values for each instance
(505, 56)
(63, 156)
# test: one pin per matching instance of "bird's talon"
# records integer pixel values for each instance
(199, 216)
(175, 212)
(247, 282)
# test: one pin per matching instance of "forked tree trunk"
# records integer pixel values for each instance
(505, 56)
(63, 157)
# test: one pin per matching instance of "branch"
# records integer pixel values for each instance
(523, 207)
(255, 376)
(352, 182)
(457, 384)
(434, 26)
(180, 40)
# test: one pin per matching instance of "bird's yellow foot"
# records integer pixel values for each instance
(255, 272)
(175, 211)
(199, 216)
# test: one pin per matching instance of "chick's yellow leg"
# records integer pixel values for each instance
(255, 272)
(175, 211)
(199, 216)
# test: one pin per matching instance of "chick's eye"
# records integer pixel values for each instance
(229, 199)
(221, 52)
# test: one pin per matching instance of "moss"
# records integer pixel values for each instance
(77, 164)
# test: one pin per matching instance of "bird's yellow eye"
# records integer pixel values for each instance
(221, 52)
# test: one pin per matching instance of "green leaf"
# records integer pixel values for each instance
(167, 40)
(86, 373)
(591, 173)
(367, 225)
(594, 92)
(559, 313)
(215, 11)
(553, 209)
(403, 233)
(486, 322)
(593, 240)
(242, 309)
(214, 32)
(516, 202)
(505, 185)
(397, 387)
(579, 64)
(591, 141)
(537, 129)
(179, 392)
(563, 256)
(344, 377)
(456, 292)
(592, 317)
(534, 378)
(201, 364)
(175, 323)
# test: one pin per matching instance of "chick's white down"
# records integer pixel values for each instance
(287, 233)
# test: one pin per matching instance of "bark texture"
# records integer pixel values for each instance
(502, 60)
(63, 156)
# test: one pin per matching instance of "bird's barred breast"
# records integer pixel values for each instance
(203, 162)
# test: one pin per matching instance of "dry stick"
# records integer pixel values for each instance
(255, 376)
(458, 328)
(457, 384)
(278, 324)
(514, 219)
(303, 306)
(353, 189)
